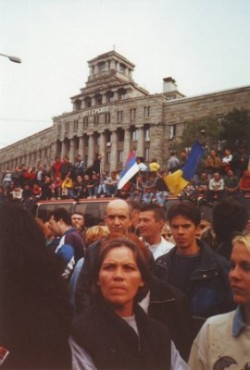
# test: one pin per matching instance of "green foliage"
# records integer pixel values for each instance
(236, 129)
(193, 131)
(232, 130)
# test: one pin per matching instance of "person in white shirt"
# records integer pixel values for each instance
(224, 340)
(151, 221)
(216, 187)
(141, 165)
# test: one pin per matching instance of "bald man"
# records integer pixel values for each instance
(117, 218)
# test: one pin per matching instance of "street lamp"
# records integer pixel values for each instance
(11, 58)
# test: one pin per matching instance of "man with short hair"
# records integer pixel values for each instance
(71, 246)
(151, 221)
(194, 268)
(231, 184)
(78, 221)
(117, 218)
(216, 187)
(173, 163)
(78, 167)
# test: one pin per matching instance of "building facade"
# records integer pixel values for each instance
(112, 115)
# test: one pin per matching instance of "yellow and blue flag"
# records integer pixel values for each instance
(179, 179)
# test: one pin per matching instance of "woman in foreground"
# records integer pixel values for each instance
(115, 333)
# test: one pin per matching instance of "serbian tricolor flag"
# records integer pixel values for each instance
(179, 179)
(130, 169)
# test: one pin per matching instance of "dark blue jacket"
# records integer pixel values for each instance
(208, 291)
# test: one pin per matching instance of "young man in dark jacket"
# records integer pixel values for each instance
(194, 268)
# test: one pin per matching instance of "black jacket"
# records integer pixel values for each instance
(169, 306)
(208, 291)
(113, 344)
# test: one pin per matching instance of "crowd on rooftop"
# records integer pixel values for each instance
(217, 176)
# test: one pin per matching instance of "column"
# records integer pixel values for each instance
(140, 141)
(126, 144)
(115, 97)
(72, 150)
(104, 99)
(64, 149)
(90, 149)
(81, 146)
(102, 150)
(113, 154)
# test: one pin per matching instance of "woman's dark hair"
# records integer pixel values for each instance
(35, 313)
(140, 258)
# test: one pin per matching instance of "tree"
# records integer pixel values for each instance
(207, 131)
(231, 131)
(236, 129)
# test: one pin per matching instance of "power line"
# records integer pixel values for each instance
(24, 120)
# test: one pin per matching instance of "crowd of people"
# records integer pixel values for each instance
(217, 176)
(141, 291)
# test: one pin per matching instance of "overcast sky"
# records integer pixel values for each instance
(202, 44)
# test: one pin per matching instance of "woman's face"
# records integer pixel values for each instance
(239, 275)
(120, 279)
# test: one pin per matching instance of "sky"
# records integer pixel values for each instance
(202, 44)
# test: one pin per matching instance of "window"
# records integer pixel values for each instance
(107, 117)
(132, 114)
(110, 96)
(134, 135)
(119, 116)
(101, 66)
(85, 122)
(172, 131)
(122, 94)
(77, 104)
(59, 127)
(96, 119)
(98, 99)
(66, 127)
(88, 102)
(122, 68)
(147, 134)
(146, 111)
(75, 125)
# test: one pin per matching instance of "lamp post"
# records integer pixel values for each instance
(11, 58)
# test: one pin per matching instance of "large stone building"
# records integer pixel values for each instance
(112, 115)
